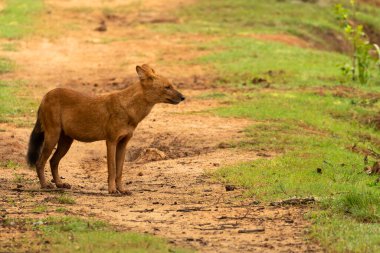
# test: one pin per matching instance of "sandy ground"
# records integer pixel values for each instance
(173, 195)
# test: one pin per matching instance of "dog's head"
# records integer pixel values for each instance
(157, 89)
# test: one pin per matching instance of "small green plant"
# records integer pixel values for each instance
(361, 59)
(64, 199)
(10, 164)
(61, 210)
(40, 209)
(18, 178)
(361, 205)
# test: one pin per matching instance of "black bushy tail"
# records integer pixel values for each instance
(35, 143)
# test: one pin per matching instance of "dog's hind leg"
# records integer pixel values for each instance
(64, 145)
(51, 139)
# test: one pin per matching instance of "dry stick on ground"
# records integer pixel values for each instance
(374, 153)
(248, 231)
(236, 218)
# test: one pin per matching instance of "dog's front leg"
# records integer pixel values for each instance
(111, 163)
(120, 157)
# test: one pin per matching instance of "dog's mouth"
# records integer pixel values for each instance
(172, 101)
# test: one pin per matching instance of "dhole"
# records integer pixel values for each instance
(66, 115)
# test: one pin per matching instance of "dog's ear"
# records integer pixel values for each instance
(142, 73)
(148, 68)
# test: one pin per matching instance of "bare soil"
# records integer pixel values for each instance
(173, 151)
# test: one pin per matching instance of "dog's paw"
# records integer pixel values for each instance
(63, 185)
(113, 191)
(124, 192)
(48, 186)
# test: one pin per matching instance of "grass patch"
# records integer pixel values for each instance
(17, 18)
(240, 61)
(61, 210)
(15, 102)
(10, 47)
(6, 65)
(9, 164)
(40, 209)
(259, 16)
(363, 206)
(213, 95)
(343, 234)
(64, 199)
(18, 178)
(72, 234)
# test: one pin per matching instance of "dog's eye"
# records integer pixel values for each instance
(167, 87)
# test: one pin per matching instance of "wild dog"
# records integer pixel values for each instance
(66, 115)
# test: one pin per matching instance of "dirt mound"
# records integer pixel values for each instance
(347, 92)
(150, 155)
(329, 40)
(166, 146)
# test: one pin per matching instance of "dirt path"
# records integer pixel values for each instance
(172, 150)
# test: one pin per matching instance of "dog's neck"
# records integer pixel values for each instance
(134, 103)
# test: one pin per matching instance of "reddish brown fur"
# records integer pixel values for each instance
(66, 115)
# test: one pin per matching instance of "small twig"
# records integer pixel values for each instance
(143, 211)
(248, 231)
(192, 209)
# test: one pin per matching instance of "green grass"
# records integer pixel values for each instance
(239, 60)
(73, 234)
(14, 102)
(213, 95)
(40, 209)
(10, 47)
(302, 19)
(9, 164)
(6, 65)
(18, 178)
(17, 19)
(64, 199)
(61, 210)
(343, 234)
(258, 16)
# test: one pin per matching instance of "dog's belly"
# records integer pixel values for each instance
(85, 132)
